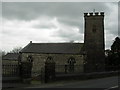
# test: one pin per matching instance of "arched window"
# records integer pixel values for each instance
(49, 59)
(71, 61)
(30, 58)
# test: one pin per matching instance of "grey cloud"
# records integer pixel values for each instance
(44, 26)
(119, 18)
(112, 30)
(21, 10)
(70, 14)
(68, 36)
(108, 44)
(61, 33)
(67, 13)
(70, 21)
(31, 10)
(73, 22)
(0, 9)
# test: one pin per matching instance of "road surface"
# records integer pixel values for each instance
(107, 83)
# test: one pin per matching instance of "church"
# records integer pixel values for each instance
(89, 56)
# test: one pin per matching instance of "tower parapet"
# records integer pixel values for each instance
(94, 14)
(102, 13)
(91, 14)
(85, 14)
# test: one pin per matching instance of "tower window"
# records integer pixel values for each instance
(94, 28)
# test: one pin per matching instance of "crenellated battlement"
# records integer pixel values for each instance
(94, 14)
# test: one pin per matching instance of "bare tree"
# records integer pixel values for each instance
(16, 50)
(72, 41)
(3, 53)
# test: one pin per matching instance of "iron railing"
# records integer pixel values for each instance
(67, 69)
(10, 70)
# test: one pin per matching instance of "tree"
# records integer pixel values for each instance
(3, 53)
(72, 41)
(115, 48)
(113, 58)
(16, 50)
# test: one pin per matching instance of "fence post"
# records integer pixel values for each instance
(42, 75)
(65, 68)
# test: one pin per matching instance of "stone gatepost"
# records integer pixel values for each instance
(49, 70)
(26, 69)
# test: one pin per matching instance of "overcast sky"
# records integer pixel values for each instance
(38, 22)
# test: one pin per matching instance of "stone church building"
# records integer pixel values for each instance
(88, 56)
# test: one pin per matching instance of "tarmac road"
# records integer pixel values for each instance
(107, 83)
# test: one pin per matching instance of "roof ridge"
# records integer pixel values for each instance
(25, 47)
(57, 43)
(53, 47)
(12, 53)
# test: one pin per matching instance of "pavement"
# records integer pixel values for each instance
(107, 83)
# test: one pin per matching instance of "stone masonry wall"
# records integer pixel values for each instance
(60, 61)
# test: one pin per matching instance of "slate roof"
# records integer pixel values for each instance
(56, 48)
(11, 56)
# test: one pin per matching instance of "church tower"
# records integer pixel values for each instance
(94, 42)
